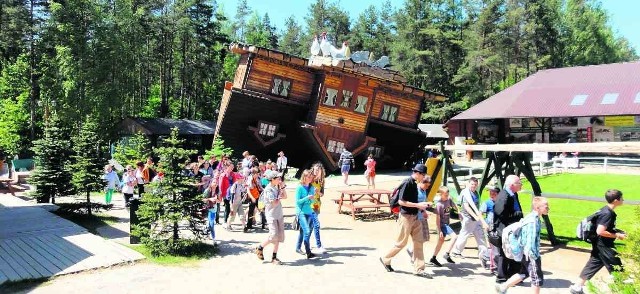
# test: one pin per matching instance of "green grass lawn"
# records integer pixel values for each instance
(565, 214)
(589, 184)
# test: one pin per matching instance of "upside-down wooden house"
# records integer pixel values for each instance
(314, 108)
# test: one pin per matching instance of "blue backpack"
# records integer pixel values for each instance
(512, 244)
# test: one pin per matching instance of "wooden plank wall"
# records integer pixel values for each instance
(329, 115)
(241, 71)
(409, 107)
(351, 138)
(261, 76)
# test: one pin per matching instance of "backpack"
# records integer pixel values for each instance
(230, 189)
(512, 241)
(586, 229)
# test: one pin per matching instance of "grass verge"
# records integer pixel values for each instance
(591, 185)
(199, 252)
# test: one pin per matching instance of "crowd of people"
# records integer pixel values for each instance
(261, 186)
(486, 222)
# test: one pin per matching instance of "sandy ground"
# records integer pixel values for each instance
(350, 266)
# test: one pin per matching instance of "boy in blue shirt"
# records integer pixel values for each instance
(487, 208)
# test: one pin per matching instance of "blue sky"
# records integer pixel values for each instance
(623, 14)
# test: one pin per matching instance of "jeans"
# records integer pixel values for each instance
(212, 216)
(305, 232)
(315, 228)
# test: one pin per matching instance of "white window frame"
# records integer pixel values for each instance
(335, 146)
(280, 86)
(376, 151)
(267, 129)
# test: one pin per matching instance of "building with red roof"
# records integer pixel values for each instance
(596, 103)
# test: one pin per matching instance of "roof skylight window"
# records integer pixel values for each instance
(609, 98)
(579, 100)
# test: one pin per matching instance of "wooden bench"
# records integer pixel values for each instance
(350, 199)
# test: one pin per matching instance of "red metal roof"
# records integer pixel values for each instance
(549, 93)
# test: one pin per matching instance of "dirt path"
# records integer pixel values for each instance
(350, 266)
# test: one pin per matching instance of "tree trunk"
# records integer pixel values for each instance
(88, 203)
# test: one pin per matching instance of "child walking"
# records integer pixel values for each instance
(443, 210)
(211, 198)
(271, 196)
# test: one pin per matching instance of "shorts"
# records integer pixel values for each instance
(532, 269)
(425, 229)
(446, 230)
(345, 169)
(276, 230)
(370, 174)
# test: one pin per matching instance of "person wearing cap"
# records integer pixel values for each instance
(271, 196)
(487, 208)
(408, 222)
(281, 164)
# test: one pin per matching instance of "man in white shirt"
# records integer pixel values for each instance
(281, 164)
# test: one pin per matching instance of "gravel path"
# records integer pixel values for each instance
(350, 266)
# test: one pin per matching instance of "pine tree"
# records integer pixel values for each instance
(218, 148)
(88, 163)
(291, 39)
(51, 176)
(136, 148)
(170, 202)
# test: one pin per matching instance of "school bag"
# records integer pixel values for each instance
(511, 240)
(586, 229)
(230, 191)
(394, 203)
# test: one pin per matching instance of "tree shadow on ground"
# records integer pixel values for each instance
(464, 269)
(235, 247)
(370, 216)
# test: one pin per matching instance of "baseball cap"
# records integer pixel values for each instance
(272, 174)
(420, 168)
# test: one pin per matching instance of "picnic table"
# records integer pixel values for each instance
(7, 182)
(356, 200)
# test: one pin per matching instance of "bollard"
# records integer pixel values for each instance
(133, 219)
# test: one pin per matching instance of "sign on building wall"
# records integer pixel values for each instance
(620, 121)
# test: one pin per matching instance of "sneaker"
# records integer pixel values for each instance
(424, 274)
(259, 254)
(386, 266)
(276, 261)
(499, 289)
(447, 257)
(245, 230)
(310, 255)
(485, 263)
(457, 255)
(299, 251)
(434, 261)
(321, 250)
(575, 290)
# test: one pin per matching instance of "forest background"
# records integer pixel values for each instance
(109, 59)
